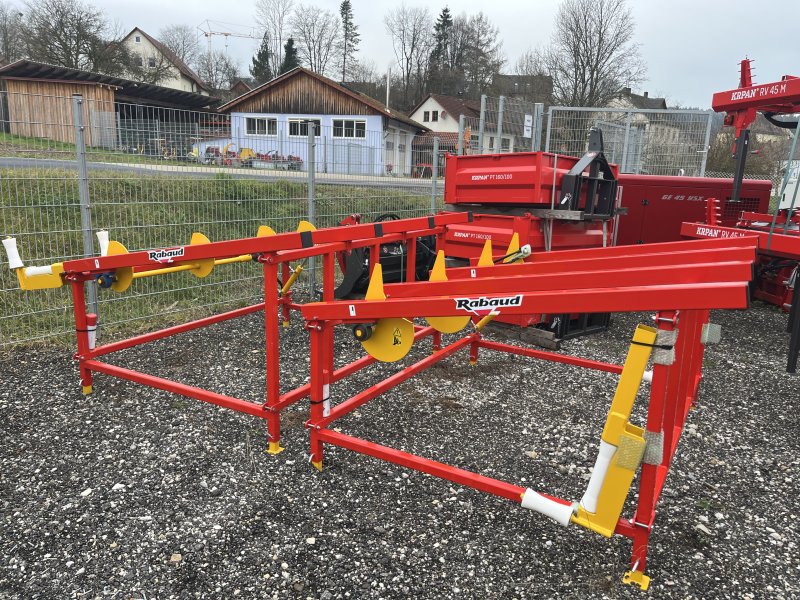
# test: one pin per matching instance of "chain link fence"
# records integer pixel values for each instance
(153, 176)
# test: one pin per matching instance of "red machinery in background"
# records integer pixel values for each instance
(538, 199)
(558, 202)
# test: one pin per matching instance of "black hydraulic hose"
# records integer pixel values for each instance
(770, 116)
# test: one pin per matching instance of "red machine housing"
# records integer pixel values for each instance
(657, 205)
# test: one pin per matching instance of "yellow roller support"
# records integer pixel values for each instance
(264, 231)
(486, 259)
(124, 275)
(41, 281)
(203, 267)
(392, 338)
(513, 248)
(304, 226)
(627, 439)
(445, 324)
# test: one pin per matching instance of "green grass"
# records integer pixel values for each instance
(40, 207)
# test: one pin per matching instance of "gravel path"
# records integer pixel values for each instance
(137, 493)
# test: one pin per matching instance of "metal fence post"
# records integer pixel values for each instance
(434, 173)
(538, 117)
(83, 189)
(482, 123)
(549, 127)
(311, 160)
(501, 105)
(706, 144)
(624, 165)
(460, 146)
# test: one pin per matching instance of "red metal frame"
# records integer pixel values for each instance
(599, 280)
(275, 253)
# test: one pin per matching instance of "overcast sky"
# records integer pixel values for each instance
(691, 47)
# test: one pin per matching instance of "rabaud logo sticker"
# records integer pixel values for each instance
(165, 256)
(487, 305)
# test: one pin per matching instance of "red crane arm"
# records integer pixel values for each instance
(742, 104)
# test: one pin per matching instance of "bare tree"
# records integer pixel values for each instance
(182, 41)
(217, 70)
(151, 67)
(592, 54)
(317, 33)
(73, 34)
(482, 53)
(274, 17)
(10, 32)
(412, 41)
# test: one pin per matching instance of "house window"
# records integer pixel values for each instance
(258, 126)
(138, 39)
(426, 116)
(299, 127)
(505, 144)
(491, 142)
(435, 115)
(139, 61)
(151, 62)
(347, 128)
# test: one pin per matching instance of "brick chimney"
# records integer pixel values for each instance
(645, 94)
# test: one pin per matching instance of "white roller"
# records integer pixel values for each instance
(560, 513)
(14, 261)
(604, 456)
(102, 239)
(647, 377)
(33, 271)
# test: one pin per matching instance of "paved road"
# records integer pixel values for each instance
(201, 171)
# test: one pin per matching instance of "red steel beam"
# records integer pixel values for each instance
(182, 328)
(652, 260)
(340, 373)
(552, 356)
(353, 403)
(780, 245)
(608, 278)
(617, 251)
(467, 478)
(730, 295)
(267, 244)
(189, 391)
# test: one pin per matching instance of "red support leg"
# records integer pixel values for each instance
(651, 474)
(328, 287)
(318, 387)
(273, 367)
(82, 335)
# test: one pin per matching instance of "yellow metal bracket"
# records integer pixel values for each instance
(622, 444)
(47, 279)
(637, 578)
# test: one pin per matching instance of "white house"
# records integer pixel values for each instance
(173, 73)
(441, 115)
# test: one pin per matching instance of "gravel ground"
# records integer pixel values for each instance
(136, 493)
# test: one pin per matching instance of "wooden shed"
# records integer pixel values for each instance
(36, 101)
(358, 134)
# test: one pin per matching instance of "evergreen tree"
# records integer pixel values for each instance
(441, 53)
(290, 58)
(260, 68)
(350, 36)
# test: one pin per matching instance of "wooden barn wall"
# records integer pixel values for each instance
(304, 95)
(43, 109)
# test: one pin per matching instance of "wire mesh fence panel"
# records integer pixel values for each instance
(155, 176)
(39, 205)
(652, 142)
(508, 125)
